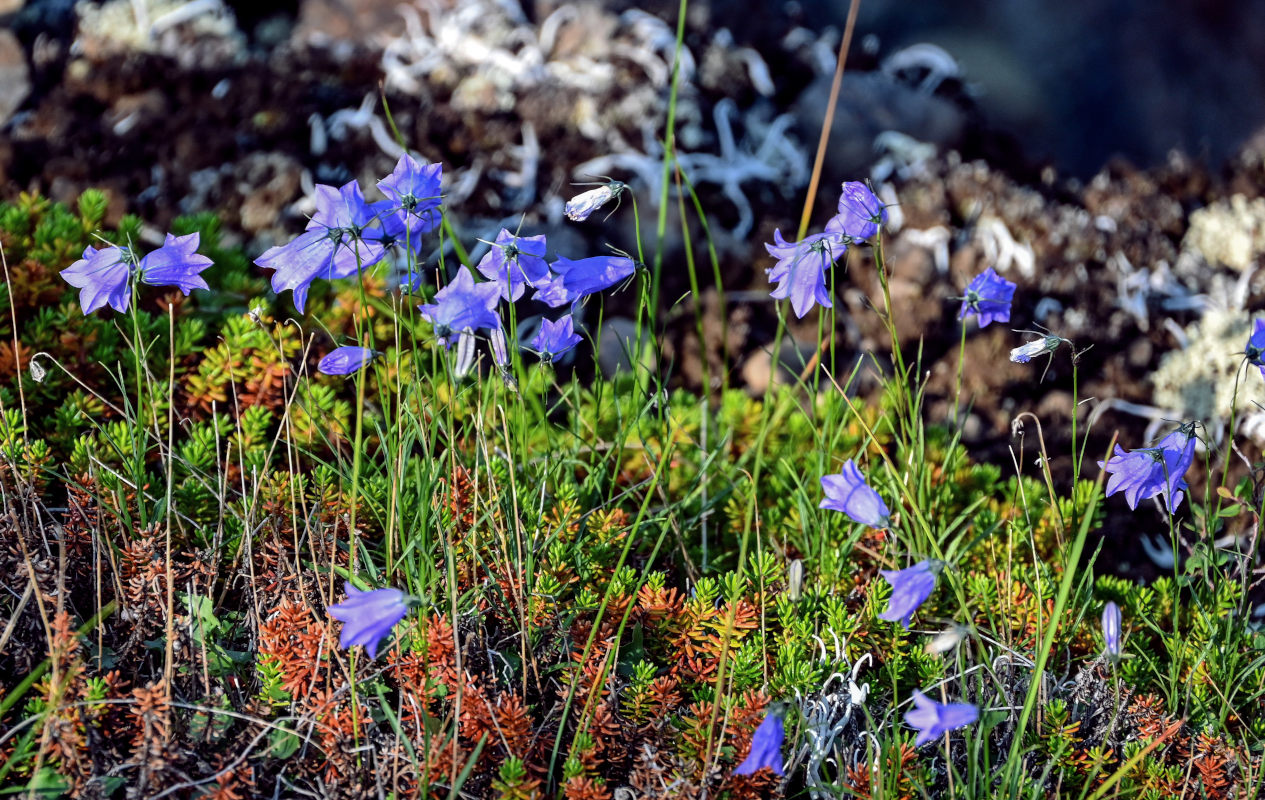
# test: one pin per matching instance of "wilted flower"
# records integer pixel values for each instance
(800, 271)
(1037, 347)
(848, 492)
(464, 362)
(910, 588)
(513, 261)
(460, 305)
(1255, 349)
(104, 276)
(555, 338)
(572, 281)
(1149, 471)
(988, 296)
(1111, 628)
(413, 190)
(345, 360)
(579, 208)
(933, 719)
(766, 747)
(335, 244)
(860, 213)
(368, 616)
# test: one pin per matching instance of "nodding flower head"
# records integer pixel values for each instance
(988, 296)
(800, 271)
(1255, 349)
(910, 589)
(1111, 629)
(555, 338)
(368, 617)
(861, 213)
(345, 360)
(1037, 347)
(766, 747)
(1150, 471)
(460, 305)
(848, 492)
(934, 720)
(515, 261)
(579, 208)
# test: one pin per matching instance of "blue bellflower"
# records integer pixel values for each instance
(861, 214)
(555, 338)
(800, 271)
(462, 305)
(766, 747)
(988, 296)
(514, 261)
(1111, 629)
(1149, 471)
(910, 589)
(1255, 349)
(934, 720)
(345, 360)
(338, 243)
(414, 199)
(368, 617)
(572, 281)
(848, 492)
(104, 276)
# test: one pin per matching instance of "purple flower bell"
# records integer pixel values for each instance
(861, 214)
(766, 747)
(910, 589)
(800, 271)
(848, 492)
(934, 720)
(515, 261)
(368, 617)
(988, 296)
(1255, 349)
(345, 360)
(572, 281)
(1111, 629)
(555, 338)
(461, 305)
(104, 276)
(1149, 471)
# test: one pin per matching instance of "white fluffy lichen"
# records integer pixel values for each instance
(1229, 232)
(1198, 381)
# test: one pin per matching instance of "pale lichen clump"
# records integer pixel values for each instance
(1198, 381)
(1228, 232)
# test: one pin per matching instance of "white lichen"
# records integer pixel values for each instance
(1198, 381)
(1228, 233)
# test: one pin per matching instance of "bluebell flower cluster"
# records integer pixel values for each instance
(104, 277)
(800, 271)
